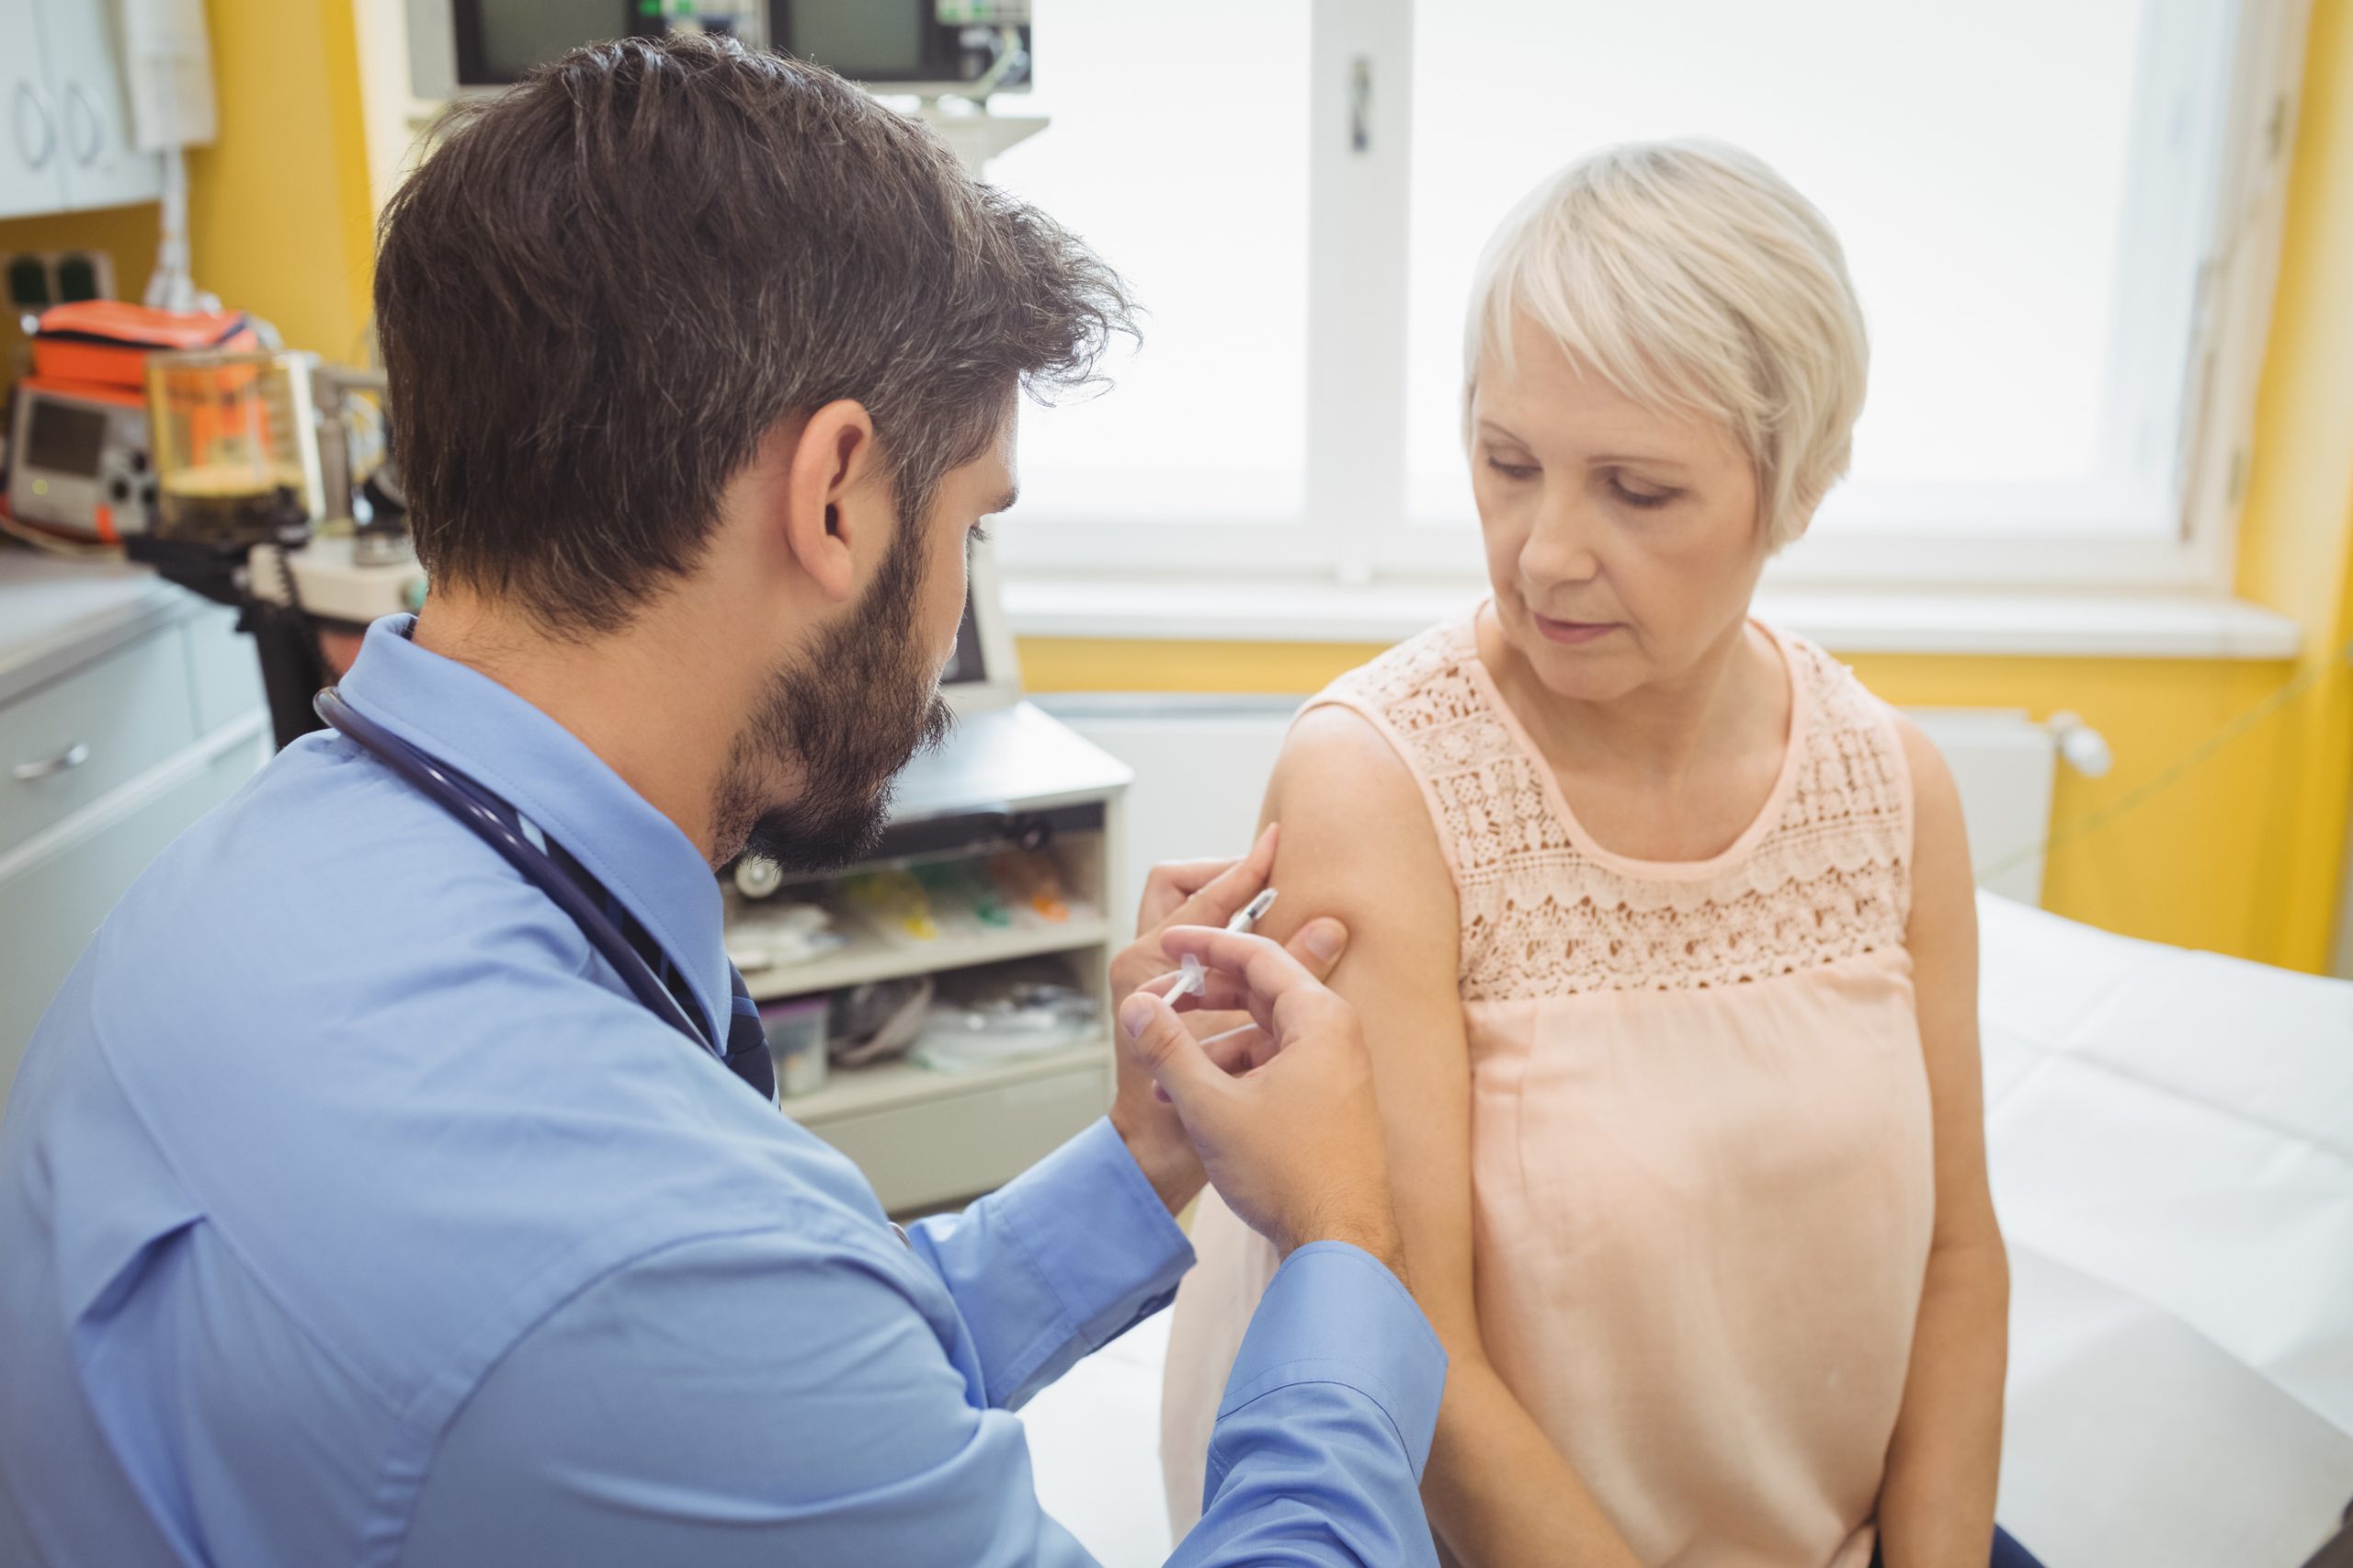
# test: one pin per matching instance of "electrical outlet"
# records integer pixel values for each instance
(30, 285)
(83, 275)
(38, 280)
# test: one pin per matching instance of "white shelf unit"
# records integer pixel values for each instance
(926, 1138)
(869, 958)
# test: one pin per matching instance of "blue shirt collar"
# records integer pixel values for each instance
(486, 732)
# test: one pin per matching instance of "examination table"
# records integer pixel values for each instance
(2171, 1136)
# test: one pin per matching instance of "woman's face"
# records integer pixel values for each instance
(1623, 544)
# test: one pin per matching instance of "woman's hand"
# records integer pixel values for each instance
(1194, 892)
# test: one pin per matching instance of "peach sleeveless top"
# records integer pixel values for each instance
(1699, 1140)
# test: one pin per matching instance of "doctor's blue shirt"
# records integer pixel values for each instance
(351, 1211)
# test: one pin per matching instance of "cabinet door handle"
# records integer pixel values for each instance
(72, 756)
(32, 111)
(85, 149)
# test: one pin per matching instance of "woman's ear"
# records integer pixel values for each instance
(837, 499)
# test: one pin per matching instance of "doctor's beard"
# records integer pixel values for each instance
(843, 722)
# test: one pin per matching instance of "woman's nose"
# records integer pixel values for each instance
(1560, 550)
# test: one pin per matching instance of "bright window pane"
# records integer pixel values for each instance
(1975, 162)
(1188, 173)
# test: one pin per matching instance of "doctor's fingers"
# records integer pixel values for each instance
(1316, 947)
(1221, 1003)
(1241, 1048)
(1168, 885)
(1205, 893)
(1233, 1043)
(1272, 980)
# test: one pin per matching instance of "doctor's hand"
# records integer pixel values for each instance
(1194, 892)
(1293, 1141)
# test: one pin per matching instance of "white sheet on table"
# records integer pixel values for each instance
(2171, 1138)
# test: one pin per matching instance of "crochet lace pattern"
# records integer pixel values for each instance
(1829, 880)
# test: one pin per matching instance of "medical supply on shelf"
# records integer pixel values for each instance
(797, 1031)
(775, 935)
(895, 903)
(879, 1020)
(1003, 1014)
(961, 889)
(1030, 879)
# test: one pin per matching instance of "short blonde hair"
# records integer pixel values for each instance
(1697, 281)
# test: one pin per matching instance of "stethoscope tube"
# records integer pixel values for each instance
(468, 801)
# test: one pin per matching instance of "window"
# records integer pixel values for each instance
(2057, 219)
(1179, 149)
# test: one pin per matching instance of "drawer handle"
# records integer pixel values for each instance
(85, 129)
(32, 111)
(72, 756)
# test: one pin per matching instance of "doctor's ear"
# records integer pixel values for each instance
(837, 497)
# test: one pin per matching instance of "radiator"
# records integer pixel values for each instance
(1202, 765)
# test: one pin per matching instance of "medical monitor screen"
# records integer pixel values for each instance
(65, 439)
(499, 41)
(923, 45)
(874, 41)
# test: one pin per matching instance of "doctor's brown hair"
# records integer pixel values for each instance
(609, 284)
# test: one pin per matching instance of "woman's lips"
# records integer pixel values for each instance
(1572, 633)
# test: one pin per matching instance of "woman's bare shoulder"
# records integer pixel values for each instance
(1944, 898)
(1357, 839)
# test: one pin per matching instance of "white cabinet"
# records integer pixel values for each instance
(88, 67)
(128, 710)
(29, 181)
(54, 901)
(65, 142)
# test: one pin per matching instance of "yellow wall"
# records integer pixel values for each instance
(2297, 532)
(280, 218)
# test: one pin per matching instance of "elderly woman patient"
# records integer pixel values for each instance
(1664, 941)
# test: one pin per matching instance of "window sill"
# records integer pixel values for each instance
(1843, 620)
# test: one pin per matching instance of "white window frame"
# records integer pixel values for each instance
(1354, 528)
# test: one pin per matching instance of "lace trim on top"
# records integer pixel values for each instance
(1546, 913)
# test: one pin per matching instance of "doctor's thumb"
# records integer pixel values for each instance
(1164, 1048)
(1319, 947)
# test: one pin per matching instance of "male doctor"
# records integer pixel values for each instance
(356, 1208)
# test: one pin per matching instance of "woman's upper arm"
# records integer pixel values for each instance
(1942, 937)
(1358, 844)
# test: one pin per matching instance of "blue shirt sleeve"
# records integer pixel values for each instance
(1056, 1264)
(808, 1392)
(1319, 1445)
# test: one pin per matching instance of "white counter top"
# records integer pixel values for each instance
(56, 614)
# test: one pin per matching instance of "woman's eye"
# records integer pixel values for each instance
(1512, 470)
(1645, 499)
(976, 535)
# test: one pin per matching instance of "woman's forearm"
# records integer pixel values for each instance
(1498, 1492)
(1936, 1507)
